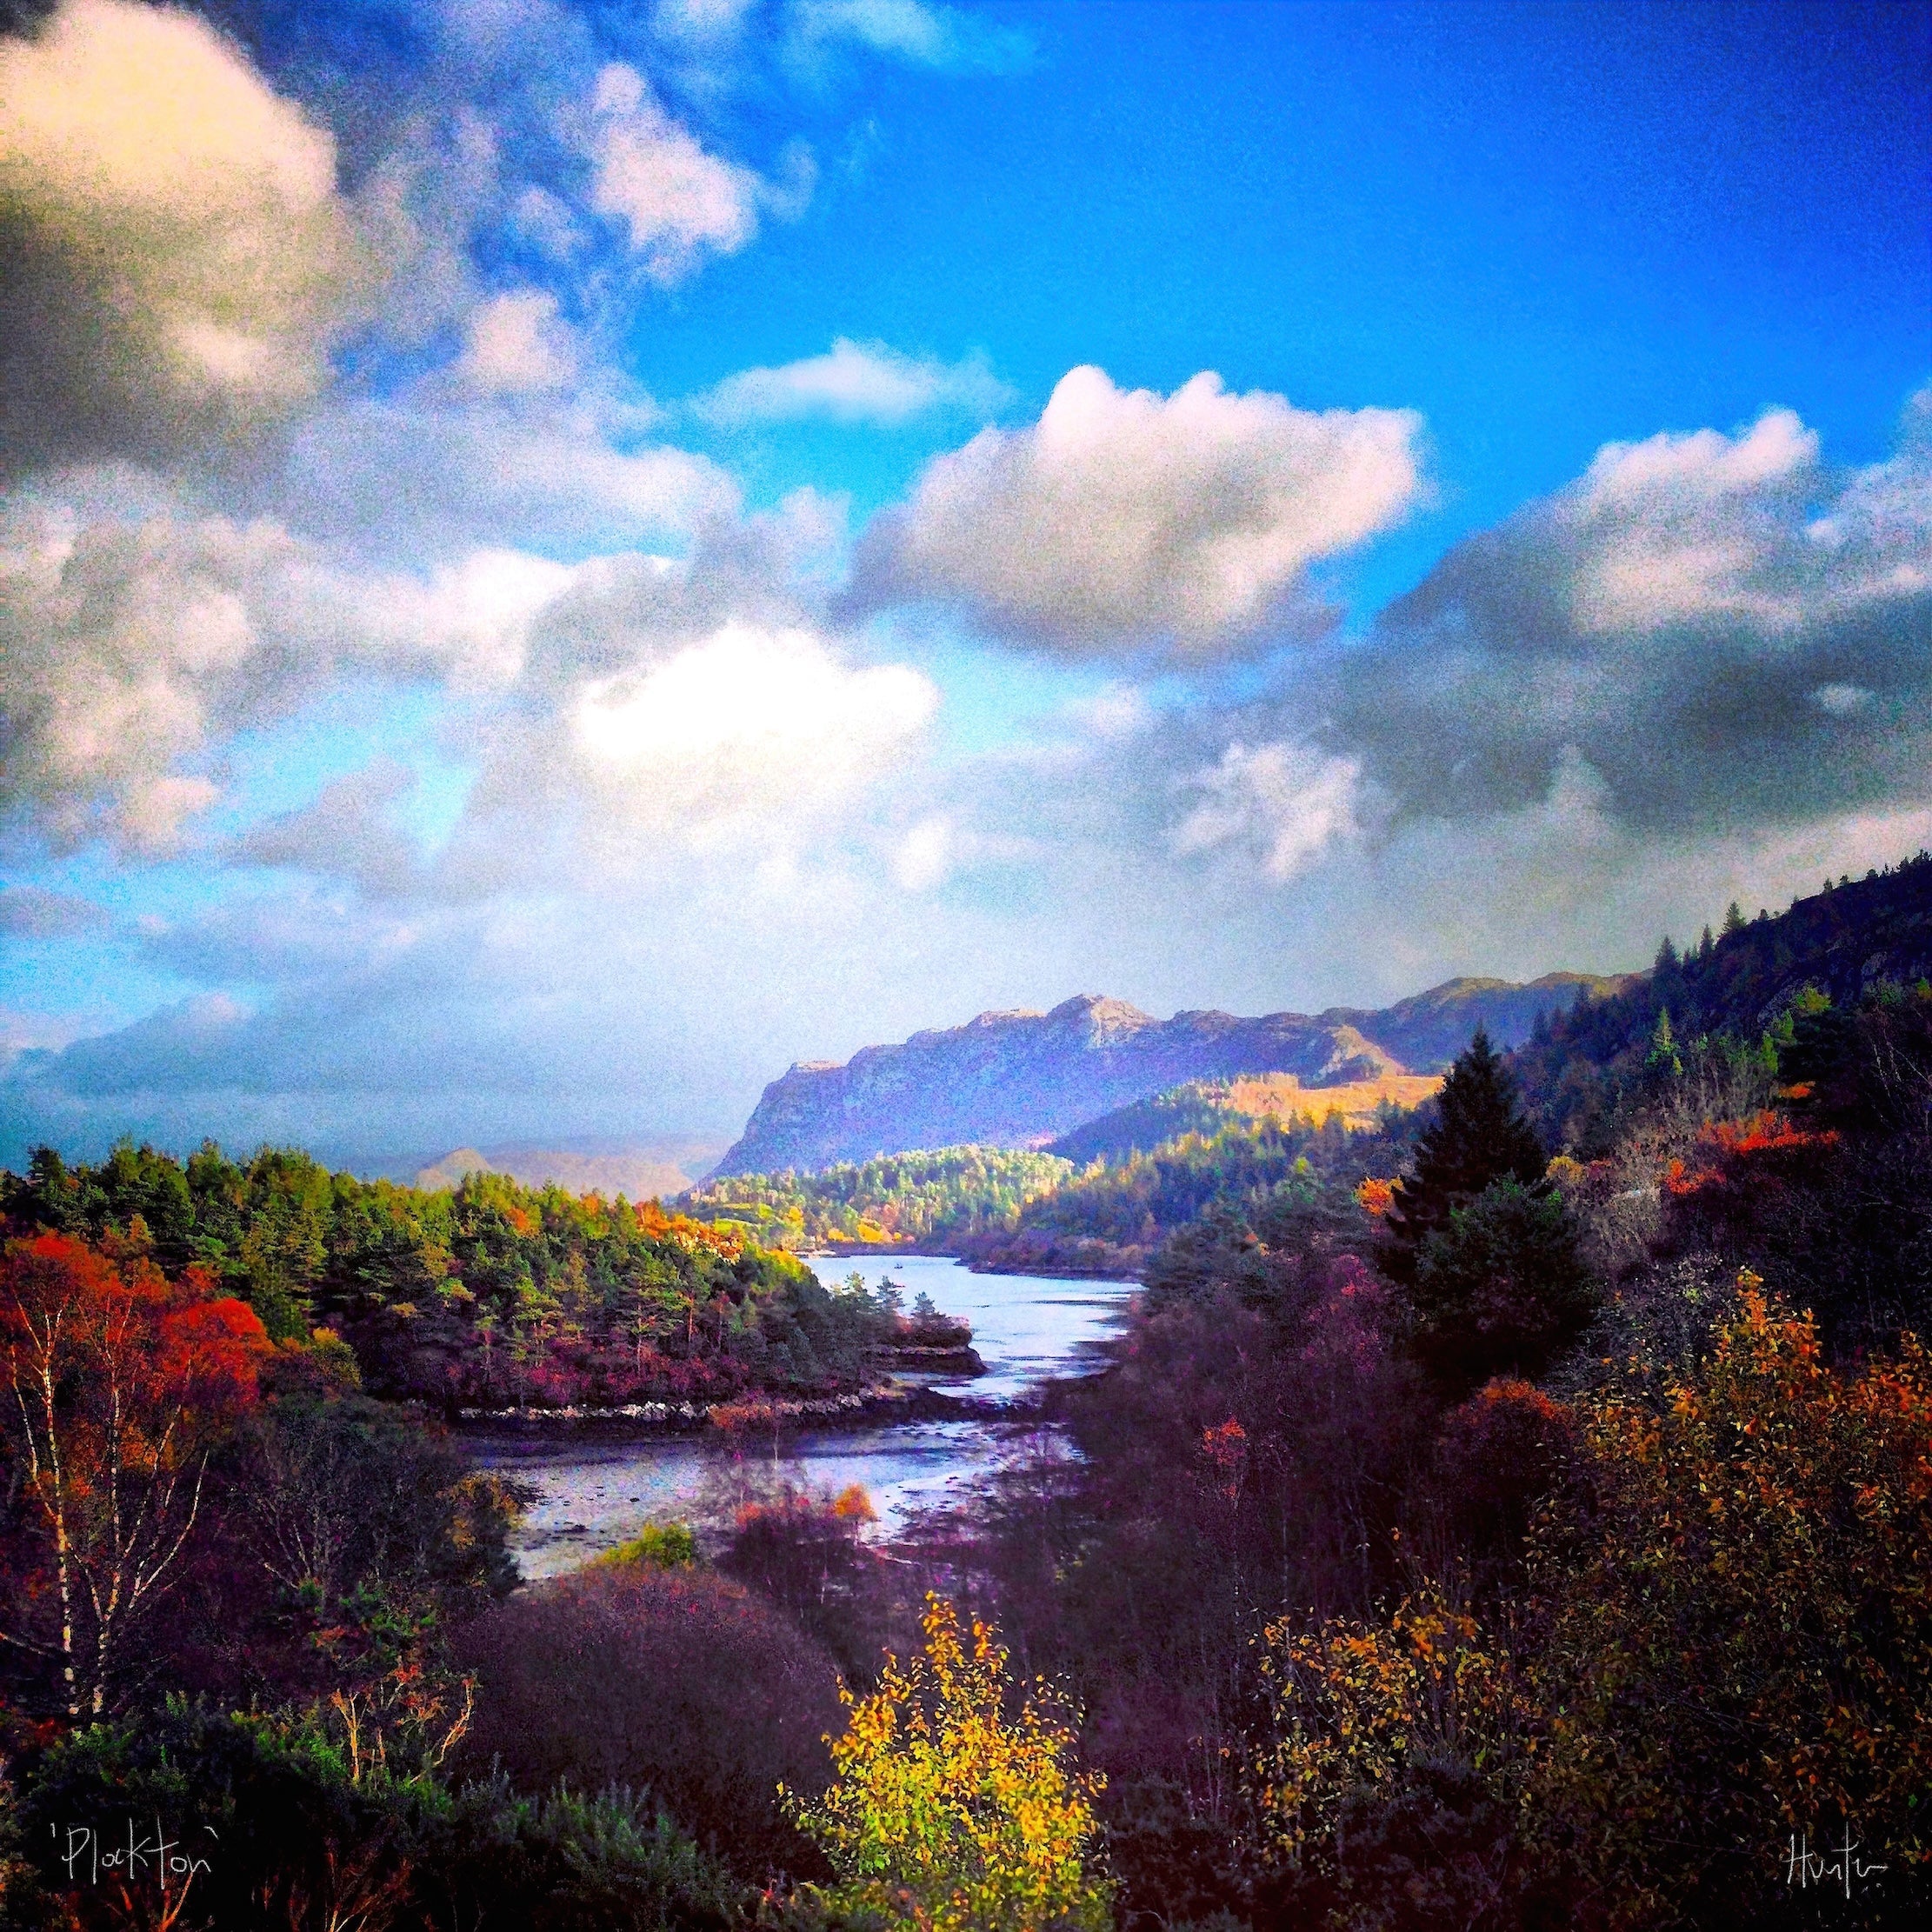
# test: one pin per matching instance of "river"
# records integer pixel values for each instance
(598, 1492)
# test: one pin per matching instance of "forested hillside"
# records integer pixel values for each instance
(484, 1296)
(930, 1199)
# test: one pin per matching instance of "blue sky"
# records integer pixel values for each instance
(586, 552)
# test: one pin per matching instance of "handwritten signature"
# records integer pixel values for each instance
(1836, 1865)
(86, 1851)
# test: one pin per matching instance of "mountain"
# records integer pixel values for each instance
(640, 1170)
(1019, 1079)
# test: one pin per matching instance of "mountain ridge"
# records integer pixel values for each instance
(1022, 1076)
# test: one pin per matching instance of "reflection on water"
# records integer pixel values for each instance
(597, 1494)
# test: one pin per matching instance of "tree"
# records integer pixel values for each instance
(1736, 1640)
(118, 1385)
(1502, 1289)
(1480, 1135)
(946, 1816)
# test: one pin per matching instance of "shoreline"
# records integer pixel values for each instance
(1064, 1268)
(874, 1407)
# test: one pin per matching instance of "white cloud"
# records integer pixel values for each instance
(750, 729)
(1282, 804)
(517, 344)
(176, 255)
(925, 856)
(700, 24)
(651, 173)
(854, 382)
(1124, 517)
(130, 650)
(913, 31)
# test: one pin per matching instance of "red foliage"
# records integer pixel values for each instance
(119, 1384)
(1496, 1455)
(1766, 1139)
(1739, 1180)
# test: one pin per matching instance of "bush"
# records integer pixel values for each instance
(948, 1817)
(677, 1682)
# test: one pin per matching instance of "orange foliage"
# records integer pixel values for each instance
(1723, 1143)
(1226, 1448)
(1375, 1197)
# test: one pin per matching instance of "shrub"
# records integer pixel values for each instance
(948, 1817)
(678, 1682)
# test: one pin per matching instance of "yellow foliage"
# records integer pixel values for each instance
(1353, 1704)
(947, 1816)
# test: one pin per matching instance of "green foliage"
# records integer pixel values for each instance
(947, 1816)
(925, 1196)
(284, 1826)
(1246, 1172)
(1143, 1125)
(487, 1295)
(1585, 1071)
(1502, 1289)
(1480, 1135)
(375, 1535)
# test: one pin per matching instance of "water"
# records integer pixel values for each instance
(598, 1493)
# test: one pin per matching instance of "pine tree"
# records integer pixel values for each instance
(1481, 1136)
(1734, 918)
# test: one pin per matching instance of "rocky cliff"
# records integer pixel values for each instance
(1020, 1079)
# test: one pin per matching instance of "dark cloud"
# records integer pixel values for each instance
(1720, 630)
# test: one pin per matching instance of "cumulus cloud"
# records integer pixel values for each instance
(1281, 805)
(748, 724)
(517, 344)
(676, 199)
(1123, 517)
(175, 256)
(854, 382)
(344, 832)
(1723, 628)
(130, 649)
(912, 31)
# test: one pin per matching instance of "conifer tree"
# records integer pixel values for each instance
(1481, 1136)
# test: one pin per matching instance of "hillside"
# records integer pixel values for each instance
(903, 1198)
(1207, 1106)
(1020, 1079)
(1841, 943)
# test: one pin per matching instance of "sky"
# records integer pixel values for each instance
(556, 559)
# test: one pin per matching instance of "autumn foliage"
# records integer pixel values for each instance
(948, 1814)
(120, 1384)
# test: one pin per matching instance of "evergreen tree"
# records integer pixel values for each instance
(1481, 1136)
(1734, 918)
(1500, 1291)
